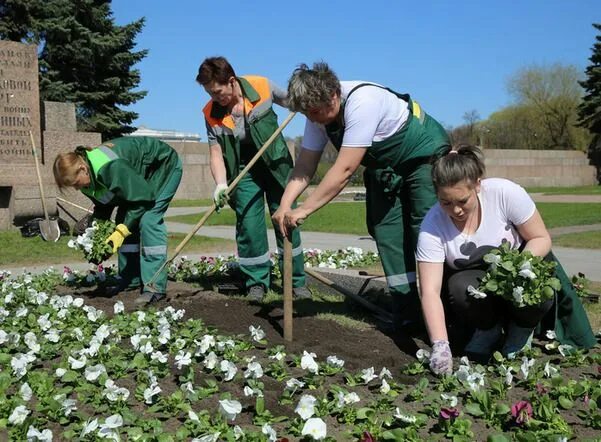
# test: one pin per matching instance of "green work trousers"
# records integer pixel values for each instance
(145, 251)
(248, 201)
(396, 206)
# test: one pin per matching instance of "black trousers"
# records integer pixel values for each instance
(486, 312)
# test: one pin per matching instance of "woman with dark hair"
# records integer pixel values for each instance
(473, 216)
(239, 119)
(138, 175)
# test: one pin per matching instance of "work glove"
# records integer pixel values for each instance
(441, 360)
(219, 196)
(118, 236)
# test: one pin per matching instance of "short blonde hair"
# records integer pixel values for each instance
(66, 168)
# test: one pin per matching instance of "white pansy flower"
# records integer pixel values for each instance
(306, 406)
(210, 361)
(187, 387)
(159, 356)
(206, 342)
(52, 335)
(113, 392)
(140, 316)
(472, 291)
(44, 322)
(229, 368)
(183, 359)
(150, 392)
(278, 356)
(254, 371)
(107, 429)
(526, 365)
(385, 373)
(293, 384)
(335, 361)
(18, 415)
(3, 337)
(565, 349)
(549, 370)
(19, 364)
(146, 348)
(384, 388)
(449, 399)
(69, 405)
(94, 372)
(407, 418)
(88, 427)
(33, 434)
(315, 428)
(308, 363)
(76, 364)
(230, 408)
(25, 392)
(60, 372)
(506, 372)
(518, 295)
(422, 355)
(550, 334)
(256, 333)
(21, 311)
(193, 416)
(268, 431)
(368, 374)
(527, 273)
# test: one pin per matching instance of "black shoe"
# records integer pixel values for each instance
(301, 293)
(116, 289)
(147, 298)
(255, 293)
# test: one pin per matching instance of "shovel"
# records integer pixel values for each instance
(49, 229)
(208, 213)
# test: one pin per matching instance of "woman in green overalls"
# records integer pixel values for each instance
(396, 141)
(139, 176)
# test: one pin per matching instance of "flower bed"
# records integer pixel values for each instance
(73, 371)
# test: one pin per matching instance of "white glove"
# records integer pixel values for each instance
(219, 197)
(441, 361)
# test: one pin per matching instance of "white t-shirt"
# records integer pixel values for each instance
(370, 114)
(504, 204)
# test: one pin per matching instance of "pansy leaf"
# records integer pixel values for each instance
(565, 403)
(474, 409)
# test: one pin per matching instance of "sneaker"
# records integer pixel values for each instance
(518, 339)
(255, 293)
(148, 298)
(483, 342)
(301, 293)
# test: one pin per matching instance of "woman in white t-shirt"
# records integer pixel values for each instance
(473, 216)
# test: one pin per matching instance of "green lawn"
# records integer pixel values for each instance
(584, 240)
(581, 190)
(350, 217)
(569, 214)
(338, 218)
(191, 203)
(17, 250)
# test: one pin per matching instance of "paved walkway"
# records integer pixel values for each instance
(574, 260)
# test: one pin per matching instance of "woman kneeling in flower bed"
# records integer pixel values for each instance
(473, 217)
(140, 176)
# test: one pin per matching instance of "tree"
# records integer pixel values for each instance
(84, 58)
(590, 108)
(554, 93)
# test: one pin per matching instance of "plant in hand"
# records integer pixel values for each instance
(519, 277)
(92, 241)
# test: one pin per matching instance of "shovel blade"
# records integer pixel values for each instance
(49, 230)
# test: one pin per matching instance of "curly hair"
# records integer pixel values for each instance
(312, 88)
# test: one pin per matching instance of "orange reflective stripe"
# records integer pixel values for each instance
(259, 84)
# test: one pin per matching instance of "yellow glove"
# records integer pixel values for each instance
(118, 236)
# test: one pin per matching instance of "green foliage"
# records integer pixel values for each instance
(519, 277)
(84, 58)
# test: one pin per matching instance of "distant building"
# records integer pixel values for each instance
(165, 135)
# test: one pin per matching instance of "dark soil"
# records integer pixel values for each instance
(371, 346)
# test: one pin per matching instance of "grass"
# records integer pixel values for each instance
(569, 214)
(191, 203)
(17, 250)
(328, 219)
(580, 190)
(349, 217)
(582, 240)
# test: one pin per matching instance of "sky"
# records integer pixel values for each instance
(451, 56)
